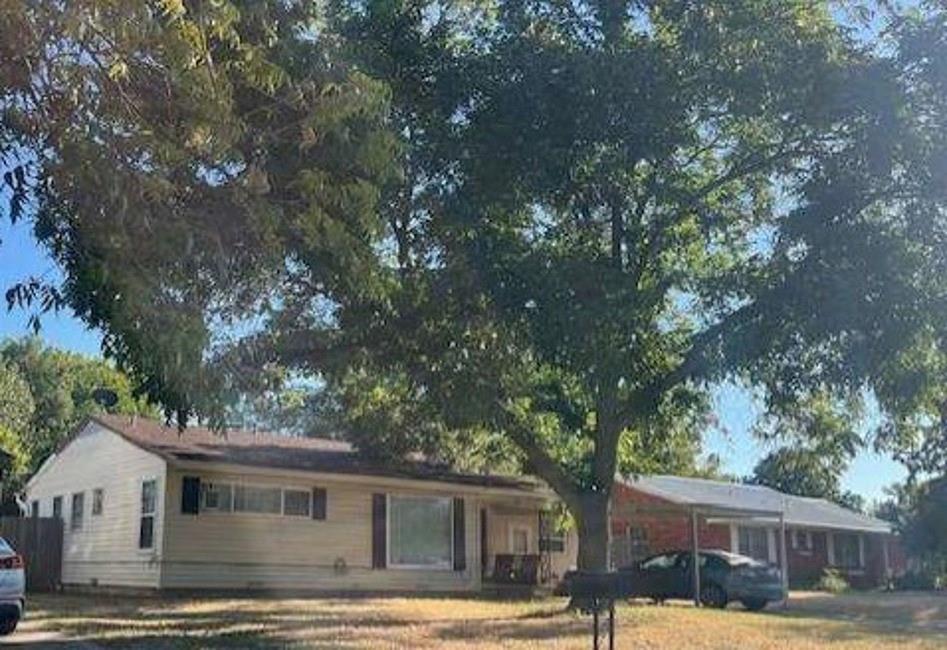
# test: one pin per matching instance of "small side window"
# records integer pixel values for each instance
(149, 506)
(77, 513)
(34, 509)
(57, 507)
(98, 501)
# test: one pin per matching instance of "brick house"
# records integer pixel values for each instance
(652, 514)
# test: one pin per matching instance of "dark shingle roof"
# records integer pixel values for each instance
(284, 452)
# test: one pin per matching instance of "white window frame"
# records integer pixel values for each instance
(283, 492)
(216, 509)
(449, 565)
(259, 486)
(153, 514)
(794, 536)
(233, 485)
(770, 533)
(832, 555)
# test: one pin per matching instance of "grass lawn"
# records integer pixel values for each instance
(813, 621)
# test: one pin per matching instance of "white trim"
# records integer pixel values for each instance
(734, 538)
(449, 566)
(771, 546)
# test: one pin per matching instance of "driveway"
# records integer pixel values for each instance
(926, 610)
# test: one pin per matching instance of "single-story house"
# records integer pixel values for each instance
(652, 514)
(148, 506)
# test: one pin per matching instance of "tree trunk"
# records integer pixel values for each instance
(594, 531)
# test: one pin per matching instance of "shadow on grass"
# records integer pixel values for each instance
(161, 622)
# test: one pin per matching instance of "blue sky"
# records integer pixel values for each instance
(731, 440)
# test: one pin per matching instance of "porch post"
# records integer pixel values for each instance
(887, 559)
(783, 557)
(695, 558)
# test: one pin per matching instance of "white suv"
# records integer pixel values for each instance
(12, 588)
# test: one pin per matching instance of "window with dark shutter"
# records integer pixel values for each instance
(190, 495)
(460, 536)
(319, 503)
(379, 532)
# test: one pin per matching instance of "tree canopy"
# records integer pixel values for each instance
(818, 438)
(51, 391)
(556, 224)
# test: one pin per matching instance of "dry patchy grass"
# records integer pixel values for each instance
(422, 623)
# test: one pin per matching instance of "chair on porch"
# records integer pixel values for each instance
(516, 569)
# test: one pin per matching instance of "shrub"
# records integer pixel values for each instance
(833, 582)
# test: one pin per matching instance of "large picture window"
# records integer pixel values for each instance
(754, 542)
(847, 551)
(420, 532)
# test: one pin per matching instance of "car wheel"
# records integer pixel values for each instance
(8, 626)
(713, 596)
(754, 604)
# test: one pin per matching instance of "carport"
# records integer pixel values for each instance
(713, 501)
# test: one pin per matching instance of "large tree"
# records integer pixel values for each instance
(605, 207)
(61, 387)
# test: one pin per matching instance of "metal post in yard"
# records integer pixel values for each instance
(783, 558)
(695, 559)
(611, 624)
(595, 626)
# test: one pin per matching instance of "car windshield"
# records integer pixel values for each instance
(734, 559)
(5, 547)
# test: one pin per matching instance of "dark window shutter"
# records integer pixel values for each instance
(318, 503)
(379, 531)
(190, 495)
(460, 536)
(543, 531)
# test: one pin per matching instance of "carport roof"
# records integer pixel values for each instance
(722, 497)
(707, 494)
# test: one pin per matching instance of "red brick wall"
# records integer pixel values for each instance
(671, 530)
(665, 531)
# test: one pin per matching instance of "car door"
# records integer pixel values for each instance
(657, 574)
(680, 577)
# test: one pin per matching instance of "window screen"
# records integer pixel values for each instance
(420, 532)
(249, 498)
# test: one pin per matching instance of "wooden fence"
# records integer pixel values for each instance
(39, 541)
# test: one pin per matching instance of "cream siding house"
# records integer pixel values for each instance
(195, 510)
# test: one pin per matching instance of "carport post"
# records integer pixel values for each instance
(783, 559)
(695, 559)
